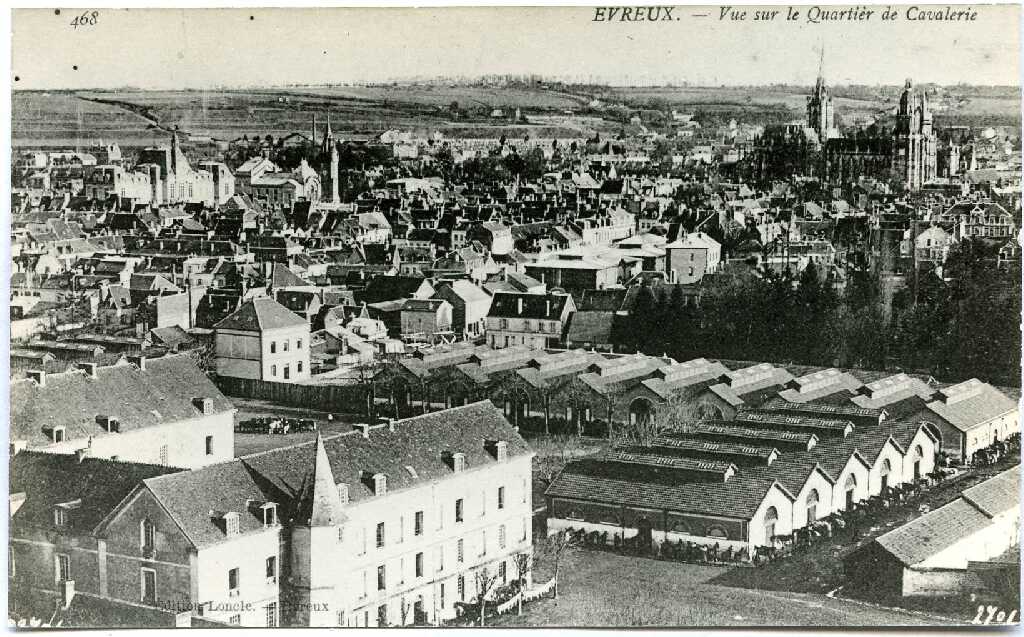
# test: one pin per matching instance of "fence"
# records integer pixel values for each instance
(343, 399)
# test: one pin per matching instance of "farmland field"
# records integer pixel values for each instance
(138, 118)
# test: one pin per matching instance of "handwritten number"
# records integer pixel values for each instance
(87, 19)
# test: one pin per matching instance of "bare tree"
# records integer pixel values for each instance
(485, 583)
(523, 562)
(554, 548)
(676, 414)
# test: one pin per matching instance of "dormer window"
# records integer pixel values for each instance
(269, 514)
(231, 524)
(57, 434)
(458, 462)
(343, 492)
(60, 517)
(62, 512)
(380, 484)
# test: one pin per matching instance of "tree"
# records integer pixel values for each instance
(205, 358)
(554, 548)
(523, 562)
(484, 583)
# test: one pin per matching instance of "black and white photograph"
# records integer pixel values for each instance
(672, 316)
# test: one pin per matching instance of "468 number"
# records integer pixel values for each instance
(87, 19)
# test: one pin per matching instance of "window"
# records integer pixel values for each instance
(273, 370)
(460, 551)
(771, 516)
(60, 517)
(525, 527)
(63, 568)
(58, 434)
(285, 348)
(269, 514)
(501, 536)
(503, 572)
(209, 445)
(287, 372)
(380, 535)
(231, 523)
(147, 578)
(501, 497)
(419, 523)
(442, 594)
(419, 565)
(273, 347)
(440, 557)
(233, 582)
(483, 542)
(298, 343)
(382, 615)
(272, 615)
(458, 510)
(298, 367)
(147, 537)
(483, 503)
(382, 582)
(462, 588)
(272, 568)
(812, 506)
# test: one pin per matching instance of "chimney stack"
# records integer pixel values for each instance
(363, 428)
(88, 368)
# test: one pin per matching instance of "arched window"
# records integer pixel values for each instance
(918, 456)
(717, 532)
(884, 473)
(771, 516)
(812, 506)
(850, 488)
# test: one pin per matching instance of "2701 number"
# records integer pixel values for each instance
(87, 19)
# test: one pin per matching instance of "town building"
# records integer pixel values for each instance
(382, 526)
(263, 340)
(161, 411)
(535, 320)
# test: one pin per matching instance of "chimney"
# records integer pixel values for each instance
(37, 375)
(88, 368)
(363, 428)
(138, 361)
(67, 593)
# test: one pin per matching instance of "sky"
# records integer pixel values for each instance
(205, 48)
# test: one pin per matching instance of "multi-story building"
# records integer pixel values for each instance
(161, 411)
(385, 525)
(691, 256)
(263, 340)
(537, 320)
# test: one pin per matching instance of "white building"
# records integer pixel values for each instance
(263, 340)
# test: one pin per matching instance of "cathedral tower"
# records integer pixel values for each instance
(820, 113)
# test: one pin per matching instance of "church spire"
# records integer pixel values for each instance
(313, 139)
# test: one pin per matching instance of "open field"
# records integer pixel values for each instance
(136, 118)
(254, 443)
(603, 589)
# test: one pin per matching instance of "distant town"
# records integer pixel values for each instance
(610, 365)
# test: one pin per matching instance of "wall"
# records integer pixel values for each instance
(248, 553)
(824, 507)
(185, 441)
(350, 399)
(238, 354)
(938, 582)
(292, 349)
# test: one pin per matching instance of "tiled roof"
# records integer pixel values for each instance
(925, 536)
(738, 498)
(531, 306)
(996, 495)
(49, 479)
(591, 327)
(970, 404)
(161, 394)
(262, 313)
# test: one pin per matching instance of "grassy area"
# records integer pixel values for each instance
(603, 589)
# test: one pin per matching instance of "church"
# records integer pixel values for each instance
(906, 154)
